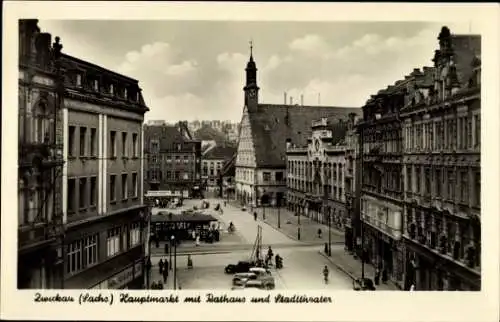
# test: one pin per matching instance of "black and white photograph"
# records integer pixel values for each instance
(170, 155)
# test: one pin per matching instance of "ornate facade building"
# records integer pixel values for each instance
(316, 176)
(173, 161)
(264, 133)
(40, 160)
(92, 129)
(382, 189)
(442, 169)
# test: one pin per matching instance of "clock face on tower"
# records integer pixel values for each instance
(252, 93)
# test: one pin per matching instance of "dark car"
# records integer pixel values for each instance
(241, 267)
(363, 284)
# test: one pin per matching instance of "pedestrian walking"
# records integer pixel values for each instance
(377, 276)
(165, 275)
(255, 215)
(197, 240)
(319, 233)
(160, 266)
(165, 265)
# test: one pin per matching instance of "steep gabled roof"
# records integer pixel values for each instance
(465, 49)
(220, 152)
(272, 125)
(166, 134)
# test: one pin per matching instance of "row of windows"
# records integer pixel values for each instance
(306, 168)
(213, 172)
(462, 185)
(82, 192)
(84, 253)
(155, 146)
(169, 159)
(157, 175)
(87, 143)
(461, 133)
(107, 88)
(332, 192)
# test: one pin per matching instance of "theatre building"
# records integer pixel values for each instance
(265, 130)
(315, 175)
(382, 189)
(102, 200)
(442, 169)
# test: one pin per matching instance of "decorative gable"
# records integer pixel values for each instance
(246, 151)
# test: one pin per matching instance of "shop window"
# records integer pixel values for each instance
(90, 250)
(74, 257)
(135, 234)
(113, 242)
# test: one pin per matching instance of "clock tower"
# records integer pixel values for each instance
(251, 89)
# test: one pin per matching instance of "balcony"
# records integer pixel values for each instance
(40, 155)
(383, 227)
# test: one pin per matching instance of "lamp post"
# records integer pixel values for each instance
(264, 207)
(298, 224)
(175, 261)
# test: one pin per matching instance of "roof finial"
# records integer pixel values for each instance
(251, 48)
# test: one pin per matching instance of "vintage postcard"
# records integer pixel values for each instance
(250, 161)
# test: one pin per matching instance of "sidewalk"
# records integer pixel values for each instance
(308, 227)
(157, 277)
(352, 267)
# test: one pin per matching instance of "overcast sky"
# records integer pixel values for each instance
(195, 69)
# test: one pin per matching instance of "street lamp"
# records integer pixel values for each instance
(175, 261)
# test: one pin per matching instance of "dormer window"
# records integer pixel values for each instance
(78, 79)
(96, 85)
(111, 89)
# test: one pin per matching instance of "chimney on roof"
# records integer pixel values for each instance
(302, 99)
(284, 95)
(291, 100)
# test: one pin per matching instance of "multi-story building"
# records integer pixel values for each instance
(442, 169)
(315, 175)
(212, 163)
(382, 187)
(265, 130)
(352, 183)
(173, 162)
(40, 160)
(101, 204)
(102, 192)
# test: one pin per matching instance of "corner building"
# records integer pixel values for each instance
(102, 200)
(442, 169)
(40, 160)
(316, 176)
(260, 173)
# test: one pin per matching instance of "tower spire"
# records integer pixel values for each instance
(251, 49)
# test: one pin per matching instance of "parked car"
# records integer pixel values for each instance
(240, 267)
(363, 284)
(257, 277)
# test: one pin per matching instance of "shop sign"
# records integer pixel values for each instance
(121, 278)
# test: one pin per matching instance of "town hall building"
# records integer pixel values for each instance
(265, 131)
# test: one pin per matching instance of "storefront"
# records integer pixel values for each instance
(130, 278)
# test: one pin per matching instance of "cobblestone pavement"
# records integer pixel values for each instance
(302, 271)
